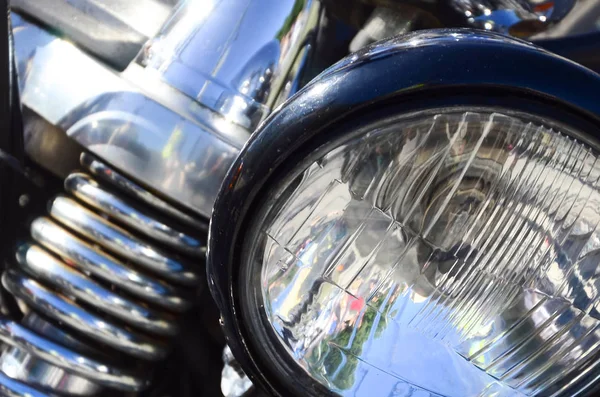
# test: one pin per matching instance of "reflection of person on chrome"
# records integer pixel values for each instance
(356, 306)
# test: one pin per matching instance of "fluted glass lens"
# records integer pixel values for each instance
(450, 254)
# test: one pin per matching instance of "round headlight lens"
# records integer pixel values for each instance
(450, 252)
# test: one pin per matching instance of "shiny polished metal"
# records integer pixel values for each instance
(233, 56)
(174, 121)
(582, 19)
(113, 30)
(89, 191)
(520, 18)
(88, 224)
(115, 178)
(79, 259)
(72, 371)
(144, 128)
(234, 383)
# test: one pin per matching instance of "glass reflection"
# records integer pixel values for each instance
(453, 255)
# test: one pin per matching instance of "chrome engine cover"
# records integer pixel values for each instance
(172, 120)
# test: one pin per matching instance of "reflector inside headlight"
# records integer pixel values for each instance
(451, 253)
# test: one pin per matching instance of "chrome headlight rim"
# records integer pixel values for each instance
(271, 154)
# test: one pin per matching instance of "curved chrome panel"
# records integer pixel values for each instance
(66, 311)
(46, 268)
(90, 192)
(247, 48)
(83, 221)
(16, 335)
(137, 123)
(171, 125)
(113, 30)
(83, 256)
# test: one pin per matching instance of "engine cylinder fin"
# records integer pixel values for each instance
(93, 326)
(89, 259)
(116, 239)
(108, 174)
(16, 335)
(47, 269)
(90, 192)
(113, 264)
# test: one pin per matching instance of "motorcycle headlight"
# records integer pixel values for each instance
(417, 249)
(459, 243)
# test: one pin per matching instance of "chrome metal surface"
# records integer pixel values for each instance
(247, 47)
(116, 179)
(114, 30)
(90, 192)
(83, 221)
(521, 18)
(12, 388)
(63, 309)
(32, 370)
(51, 271)
(582, 19)
(234, 383)
(88, 258)
(81, 260)
(145, 129)
(171, 125)
(383, 23)
(16, 335)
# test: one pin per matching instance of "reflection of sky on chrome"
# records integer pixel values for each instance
(60, 58)
(164, 49)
